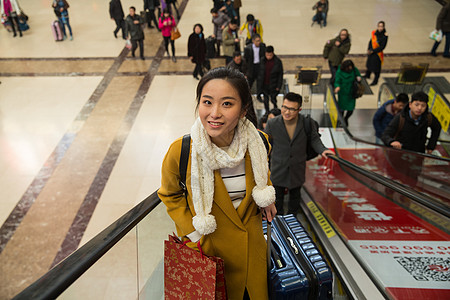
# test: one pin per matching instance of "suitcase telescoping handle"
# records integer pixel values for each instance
(269, 245)
(272, 253)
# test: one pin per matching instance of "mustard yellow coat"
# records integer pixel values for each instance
(238, 239)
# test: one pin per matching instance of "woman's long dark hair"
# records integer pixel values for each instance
(238, 81)
(347, 65)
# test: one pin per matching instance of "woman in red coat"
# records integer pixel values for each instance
(197, 49)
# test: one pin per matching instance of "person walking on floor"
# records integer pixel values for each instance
(230, 40)
(220, 21)
(443, 23)
(62, 6)
(345, 76)
(288, 159)
(134, 32)
(321, 8)
(253, 55)
(229, 192)
(375, 54)
(166, 24)
(116, 13)
(149, 8)
(335, 50)
(11, 10)
(170, 4)
(252, 26)
(270, 78)
(197, 50)
(237, 4)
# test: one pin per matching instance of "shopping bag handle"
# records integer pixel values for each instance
(198, 246)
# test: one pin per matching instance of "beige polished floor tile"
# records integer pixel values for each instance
(35, 114)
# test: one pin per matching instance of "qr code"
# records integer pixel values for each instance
(426, 268)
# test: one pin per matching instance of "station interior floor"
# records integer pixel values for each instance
(84, 126)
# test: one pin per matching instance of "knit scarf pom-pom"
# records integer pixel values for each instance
(204, 224)
(264, 196)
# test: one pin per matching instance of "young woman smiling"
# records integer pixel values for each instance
(227, 179)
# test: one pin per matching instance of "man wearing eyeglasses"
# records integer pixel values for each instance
(288, 158)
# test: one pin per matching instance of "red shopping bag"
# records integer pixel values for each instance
(189, 274)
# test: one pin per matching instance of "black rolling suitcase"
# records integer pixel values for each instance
(297, 269)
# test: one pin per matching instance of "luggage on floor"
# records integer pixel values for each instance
(57, 31)
(23, 25)
(210, 47)
(7, 24)
(298, 270)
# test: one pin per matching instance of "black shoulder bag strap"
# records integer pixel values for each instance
(307, 125)
(266, 144)
(184, 158)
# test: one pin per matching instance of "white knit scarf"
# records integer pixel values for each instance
(207, 157)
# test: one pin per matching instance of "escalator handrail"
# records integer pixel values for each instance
(58, 279)
(423, 199)
(437, 90)
(384, 84)
(356, 139)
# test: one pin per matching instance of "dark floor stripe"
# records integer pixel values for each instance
(55, 58)
(84, 214)
(16, 216)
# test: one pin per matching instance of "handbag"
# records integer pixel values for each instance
(175, 34)
(436, 35)
(357, 88)
(189, 274)
(128, 44)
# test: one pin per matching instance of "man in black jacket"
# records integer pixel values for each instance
(116, 13)
(408, 130)
(149, 8)
(270, 77)
(134, 30)
(253, 54)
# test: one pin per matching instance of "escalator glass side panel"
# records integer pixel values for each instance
(407, 256)
(115, 273)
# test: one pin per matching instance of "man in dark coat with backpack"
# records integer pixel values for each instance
(408, 130)
(116, 13)
(289, 139)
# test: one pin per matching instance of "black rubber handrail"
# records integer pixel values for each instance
(341, 120)
(423, 199)
(58, 279)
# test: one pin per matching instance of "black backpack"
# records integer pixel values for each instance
(310, 152)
